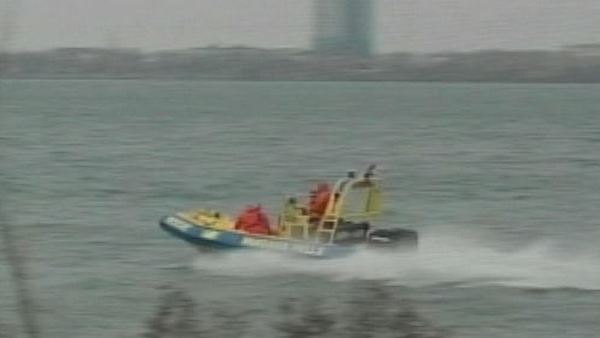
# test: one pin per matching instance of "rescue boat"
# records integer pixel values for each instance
(342, 226)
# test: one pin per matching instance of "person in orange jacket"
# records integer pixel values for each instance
(253, 220)
(318, 200)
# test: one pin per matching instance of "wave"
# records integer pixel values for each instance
(440, 260)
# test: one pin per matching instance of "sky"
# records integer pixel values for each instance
(401, 25)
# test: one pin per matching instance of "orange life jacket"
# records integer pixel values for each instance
(253, 220)
(319, 199)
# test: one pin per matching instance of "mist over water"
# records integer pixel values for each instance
(440, 259)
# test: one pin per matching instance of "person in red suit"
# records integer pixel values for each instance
(318, 201)
(253, 220)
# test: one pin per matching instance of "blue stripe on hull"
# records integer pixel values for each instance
(207, 237)
(194, 240)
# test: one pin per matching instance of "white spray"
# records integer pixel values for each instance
(440, 259)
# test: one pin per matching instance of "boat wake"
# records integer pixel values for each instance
(440, 260)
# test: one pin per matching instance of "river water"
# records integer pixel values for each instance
(501, 181)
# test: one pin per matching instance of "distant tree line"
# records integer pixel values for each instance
(254, 64)
(374, 312)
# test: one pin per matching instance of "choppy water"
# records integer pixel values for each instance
(501, 181)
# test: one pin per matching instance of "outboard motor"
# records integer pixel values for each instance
(393, 238)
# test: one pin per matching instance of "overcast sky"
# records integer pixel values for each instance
(402, 25)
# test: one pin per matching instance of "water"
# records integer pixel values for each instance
(501, 181)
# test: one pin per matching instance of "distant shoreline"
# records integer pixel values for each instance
(141, 79)
(575, 64)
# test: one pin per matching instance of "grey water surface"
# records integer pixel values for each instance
(501, 181)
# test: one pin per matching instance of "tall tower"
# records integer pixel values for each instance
(343, 27)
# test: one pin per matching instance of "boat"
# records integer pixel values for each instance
(344, 226)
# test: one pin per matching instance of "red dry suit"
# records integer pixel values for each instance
(253, 220)
(319, 199)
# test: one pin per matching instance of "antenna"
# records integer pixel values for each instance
(10, 247)
(8, 14)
